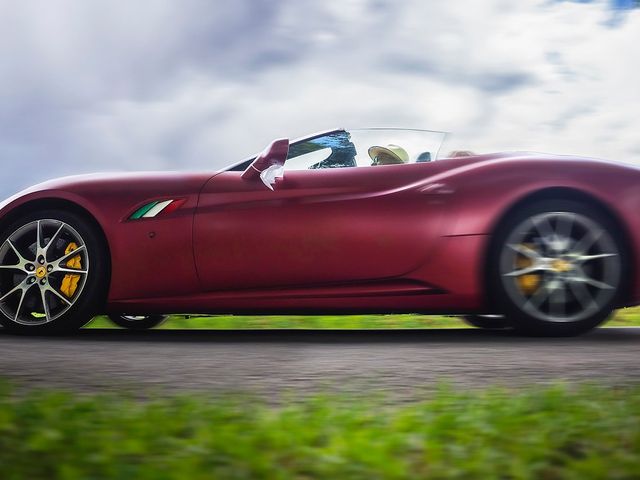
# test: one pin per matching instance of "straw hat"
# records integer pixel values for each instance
(389, 155)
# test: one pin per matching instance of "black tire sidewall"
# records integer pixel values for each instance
(93, 296)
(522, 321)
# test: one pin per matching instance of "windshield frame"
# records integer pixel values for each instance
(243, 164)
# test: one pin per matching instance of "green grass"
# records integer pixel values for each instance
(624, 317)
(238, 322)
(550, 433)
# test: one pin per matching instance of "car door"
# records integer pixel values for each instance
(318, 226)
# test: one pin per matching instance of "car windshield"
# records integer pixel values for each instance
(419, 145)
(361, 148)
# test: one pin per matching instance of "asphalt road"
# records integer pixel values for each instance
(404, 364)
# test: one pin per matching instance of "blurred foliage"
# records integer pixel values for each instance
(624, 317)
(550, 433)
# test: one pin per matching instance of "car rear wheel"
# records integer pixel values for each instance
(53, 271)
(557, 268)
(138, 322)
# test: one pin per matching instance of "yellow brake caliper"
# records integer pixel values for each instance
(529, 283)
(70, 281)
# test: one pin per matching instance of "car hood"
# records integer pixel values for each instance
(110, 183)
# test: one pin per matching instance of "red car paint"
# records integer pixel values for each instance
(391, 238)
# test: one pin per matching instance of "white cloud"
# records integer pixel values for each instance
(97, 85)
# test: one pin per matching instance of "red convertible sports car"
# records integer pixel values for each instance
(341, 222)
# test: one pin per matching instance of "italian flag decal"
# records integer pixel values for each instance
(154, 209)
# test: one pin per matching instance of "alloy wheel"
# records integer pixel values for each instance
(44, 266)
(560, 267)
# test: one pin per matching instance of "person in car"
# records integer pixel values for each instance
(389, 155)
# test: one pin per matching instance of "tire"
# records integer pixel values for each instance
(487, 322)
(557, 268)
(46, 288)
(139, 322)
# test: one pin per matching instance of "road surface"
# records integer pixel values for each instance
(403, 364)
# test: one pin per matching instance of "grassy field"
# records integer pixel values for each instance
(551, 433)
(624, 317)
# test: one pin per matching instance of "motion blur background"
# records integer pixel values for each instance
(148, 85)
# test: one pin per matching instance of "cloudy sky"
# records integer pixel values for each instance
(93, 85)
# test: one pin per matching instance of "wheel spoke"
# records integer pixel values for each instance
(17, 266)
(53, 238)
(557, 299)
(45, 305)
(49, 288)
(583, 245)
(78, 271)
(21, 260)
(24, 294)
(69, 255)
(524, 250)
(587, 258)
(564, 226)
(582, 278)
(544, 229)
(537, 298)
(38, 238)
(524, 271)
(598, 284)
(582, 294)
(18, 287)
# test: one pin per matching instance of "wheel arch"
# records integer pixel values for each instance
(564, 193)
(68, 206)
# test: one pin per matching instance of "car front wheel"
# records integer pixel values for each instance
(53, 273)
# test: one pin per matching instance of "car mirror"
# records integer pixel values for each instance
(269, 164)
(270, 174)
